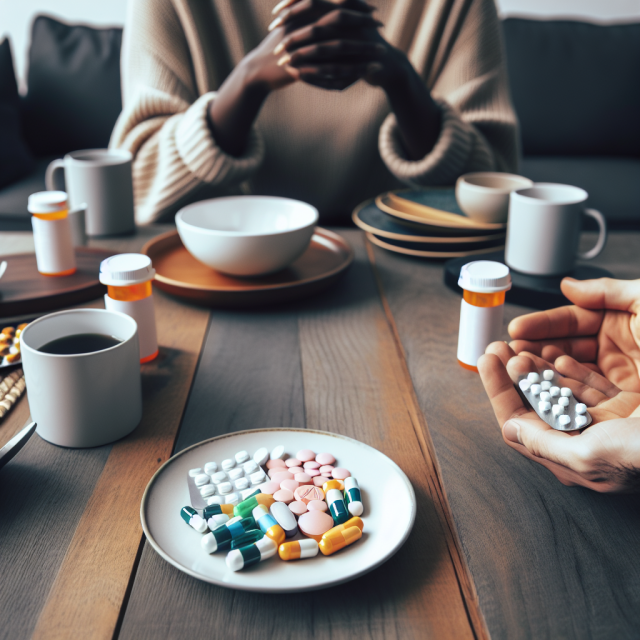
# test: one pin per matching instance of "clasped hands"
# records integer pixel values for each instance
(594, 346)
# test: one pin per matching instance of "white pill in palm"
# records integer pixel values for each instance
(544, 406)
(258, 477)
(207, 490)
(241, 456)
(201, 479)
(228, 464)
(548, 374)
(261, 456)
(195, 472)
(524, 384)
(535, 389)
(241, 483)
(581, 408)
(215, 500)
(545, 395)
(581, 421)
(211, 468)
(232, 498)
(554, 391)
(558, 409)
(563, 402)
(224, 488)
(250, 467)
(218, 477)
(564, 420)
(236, 473)
(565, 392)
(533, 377)
(545, 385)
(277, 453)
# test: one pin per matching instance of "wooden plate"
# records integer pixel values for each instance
(369, 218)
(441, 251)
(180, 274)
(24, 291)
(436, 207)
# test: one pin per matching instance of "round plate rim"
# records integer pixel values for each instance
(323, 585)
(430, 254)
(323, 233)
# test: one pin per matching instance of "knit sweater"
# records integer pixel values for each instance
(331, 149)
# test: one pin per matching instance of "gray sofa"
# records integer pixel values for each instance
(575, 87)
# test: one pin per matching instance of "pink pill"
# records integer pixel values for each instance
(317, 505)
(326, 468)
(272, 464)
(314, 523)
(327, 475)
(303, 478)
(319, 480)
(298, 508)
(312, 472)
(289, 485)
(269, 487)
(306, 494)
(306, 455)
(312, 464)
(295, 470)
(282, 475)
(340, 474)
(325, 458)
(283, 496)
(293, 462)
(272, 472)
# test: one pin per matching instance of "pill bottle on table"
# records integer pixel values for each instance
(484, 284)
(128, 277)
(55, 255)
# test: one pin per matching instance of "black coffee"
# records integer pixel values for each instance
(79, 343)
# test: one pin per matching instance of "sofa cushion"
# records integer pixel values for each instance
(16, 160)
(613, 184)
(575, 86)
(73, 80)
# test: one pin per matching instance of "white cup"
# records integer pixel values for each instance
(85, 399)
(544, 227)
(101, 179)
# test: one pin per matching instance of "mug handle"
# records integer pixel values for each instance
(49, 178)
(602, 238)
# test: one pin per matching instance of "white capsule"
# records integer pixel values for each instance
(261, 456)
(257, 478)
(554, 391)
(233, 498)
(533, 377)
(228, 464)
(250, 467)
(215, 500)
(548, 374)
(241, 457)
(198, 523)
(535, 389)
(241, 483)
(565, 392)
(285, 518)
(545, 385)
(581, 421)
(581, 408)
(219, 477)
(195, 472)
(210, 468)
(209, 543)
(266, 547)
(224, 488)
(278, 453)
(544, 406)
(545, 395)
(201, 479)
(207, 490)
(217, 520)
(563, 402)
(558, 409)
(524, 384)
(236, 473)
(564, 420)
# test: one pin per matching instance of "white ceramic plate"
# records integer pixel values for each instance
(388, 497)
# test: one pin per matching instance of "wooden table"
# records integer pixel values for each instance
(500, 549)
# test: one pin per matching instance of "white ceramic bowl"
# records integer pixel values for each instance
(484, 196)
(247, 235)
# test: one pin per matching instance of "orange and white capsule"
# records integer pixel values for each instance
(352, 522)
(333, 484)
(333, 540)
(298, 550)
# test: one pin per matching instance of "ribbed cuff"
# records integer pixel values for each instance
(446, 161)
(204, 158)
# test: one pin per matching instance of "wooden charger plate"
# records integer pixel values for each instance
(180, 274)
(442, 251)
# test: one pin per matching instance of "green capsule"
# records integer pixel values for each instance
(246, 507)
(247, 538)
(337, 507)
(352, 496)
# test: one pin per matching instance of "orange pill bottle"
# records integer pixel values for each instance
(52, 238)
(484, 284)
(128, 277)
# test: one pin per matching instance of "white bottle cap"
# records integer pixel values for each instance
(485, 276)
(47, 202)
(125, 269)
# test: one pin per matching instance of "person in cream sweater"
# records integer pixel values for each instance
(330, 102)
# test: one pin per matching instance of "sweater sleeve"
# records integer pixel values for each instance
(479, 129)
(164, 121)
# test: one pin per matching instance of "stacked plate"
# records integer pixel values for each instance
(426, 223)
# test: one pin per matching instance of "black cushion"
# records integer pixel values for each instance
(575, 86)
(73, 97)
(16, 160)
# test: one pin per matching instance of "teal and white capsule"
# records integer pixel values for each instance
(221, 537)
(216, 520)
(191, 517)
(352, 496)
(264, 549)
(247, 538)
(337, 507)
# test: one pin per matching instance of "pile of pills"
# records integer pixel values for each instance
(554, 404)
(10, 344)
(268, 503)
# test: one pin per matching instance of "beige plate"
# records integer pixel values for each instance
(431, 254)
(384, 532)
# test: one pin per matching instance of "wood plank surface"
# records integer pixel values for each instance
(547, 561)
(343, 350)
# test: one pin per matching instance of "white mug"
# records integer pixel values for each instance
(101, 179)
(544, 228)
(84, 399)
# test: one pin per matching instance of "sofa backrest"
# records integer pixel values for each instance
(575, 86)
(73, 81)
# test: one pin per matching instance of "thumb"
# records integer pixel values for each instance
(603, 293)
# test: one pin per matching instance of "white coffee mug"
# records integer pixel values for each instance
(101, 179)
(544, 227)
(84, 399)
